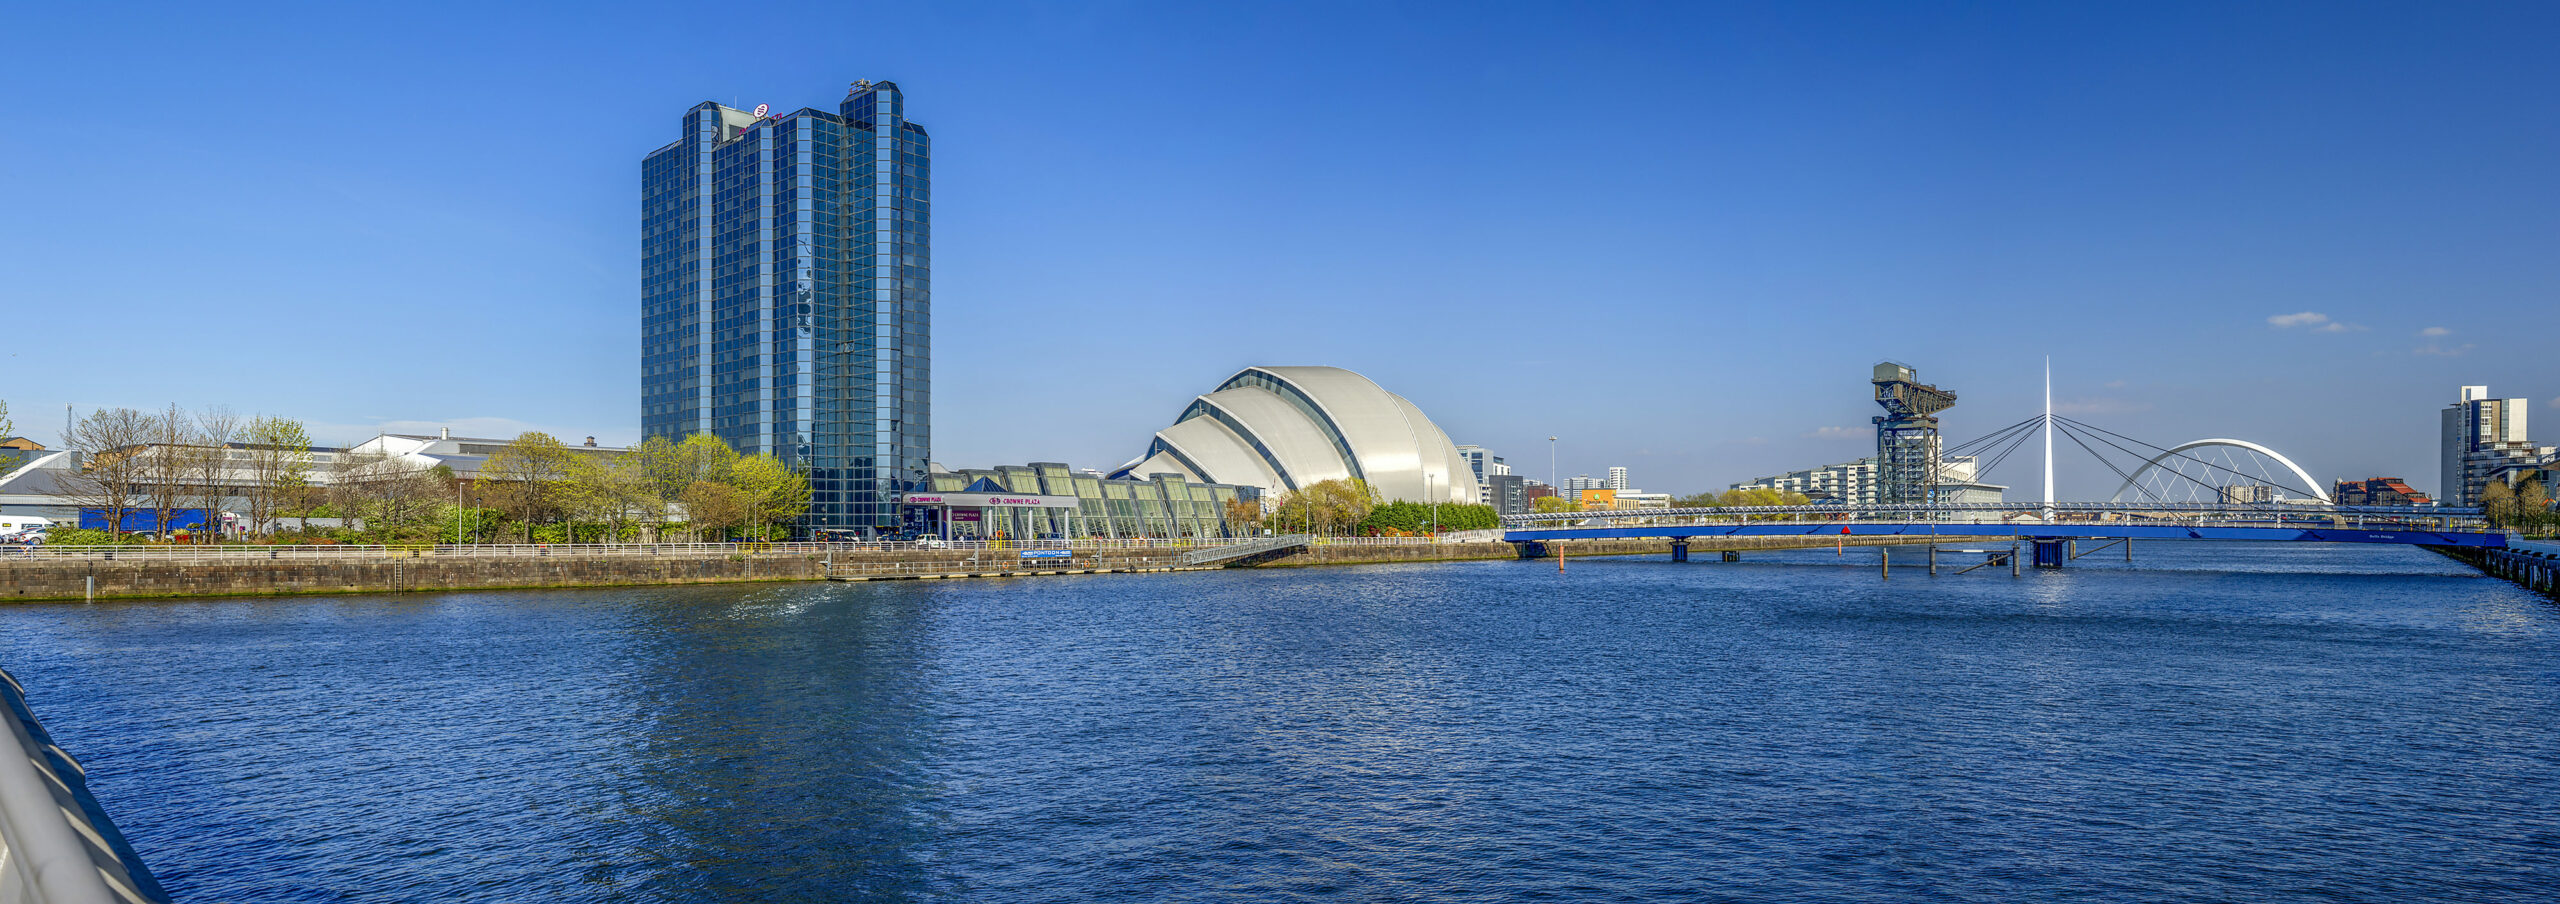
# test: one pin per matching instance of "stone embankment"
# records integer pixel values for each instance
(67, 574)
(2534, 566)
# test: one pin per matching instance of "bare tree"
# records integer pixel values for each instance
(212, 473)
(385, 492)
(111, 442)
(164, 466)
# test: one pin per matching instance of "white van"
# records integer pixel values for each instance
(13, 524)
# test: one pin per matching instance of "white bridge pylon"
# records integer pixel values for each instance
(2179, 452)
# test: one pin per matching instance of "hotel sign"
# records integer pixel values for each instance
(991, 500)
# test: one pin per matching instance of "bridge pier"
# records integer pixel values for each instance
(1531, 549)
(1733, 555)
(1679, 549)
(2051, 552)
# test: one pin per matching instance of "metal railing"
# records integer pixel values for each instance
(241, 553)
(56, 845)
(2014, 514)
(1253, 547)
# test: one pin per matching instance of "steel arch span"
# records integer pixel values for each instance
(2242, 444)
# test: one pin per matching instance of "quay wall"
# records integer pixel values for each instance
(2531, 568)
(69, 578)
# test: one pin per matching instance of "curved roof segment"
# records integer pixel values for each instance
(1282, 428)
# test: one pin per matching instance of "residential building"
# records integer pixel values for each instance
(1580, 482)
(21, 443)
(1639, 499)
(1282, 428)
(786, 294)
(1854, 482)
(2246, 494)
(1485, 466)
(1617, 478)
(1508, 494)
(2482, 437)
(2377, 491)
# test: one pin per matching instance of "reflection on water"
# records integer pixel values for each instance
(2211, 721)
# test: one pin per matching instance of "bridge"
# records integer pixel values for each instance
(2051, 528)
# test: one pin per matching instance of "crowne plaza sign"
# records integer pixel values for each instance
(991, 500)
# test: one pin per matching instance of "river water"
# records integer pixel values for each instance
(2211, 722)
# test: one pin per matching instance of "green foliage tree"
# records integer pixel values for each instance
(278, 468)
(2533, 506)
(1708, 499)
(776, 495)
(711, 506)
(1552, 505)
(1415, 518)
(527, 478)
(5, 426)
(611, 491)
(1325, 507)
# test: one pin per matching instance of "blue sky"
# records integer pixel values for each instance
(1675, 235)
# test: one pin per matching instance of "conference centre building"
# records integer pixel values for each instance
(1264, 433)
(1282, 429)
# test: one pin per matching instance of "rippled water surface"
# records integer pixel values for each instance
(2212, 722)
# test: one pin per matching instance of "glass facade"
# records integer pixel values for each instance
(786, 295)
(1162, 506)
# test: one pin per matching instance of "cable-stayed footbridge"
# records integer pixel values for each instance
(2208, 489)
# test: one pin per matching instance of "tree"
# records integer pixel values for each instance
(2498, 503)
(1243, 514)
(110, 440)
(5, 426)
(164, 464)
(385, 492)
(209, 464)
(1548, 505)
(1707, 499)
(714, 506)
(1325, 507)
(278, 468)
(525, 479)
(2533, 504)
(1408, 518)
(611, 490)
(775, 494)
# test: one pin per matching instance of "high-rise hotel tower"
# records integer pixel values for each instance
(785, 294)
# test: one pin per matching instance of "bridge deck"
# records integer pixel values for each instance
(1922, 532)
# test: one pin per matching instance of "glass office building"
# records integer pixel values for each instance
(786, 295)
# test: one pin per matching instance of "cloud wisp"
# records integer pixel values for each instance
(2314, 321)
(2434, 331)
(1838, 433)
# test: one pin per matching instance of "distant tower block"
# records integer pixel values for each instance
(1907, 436)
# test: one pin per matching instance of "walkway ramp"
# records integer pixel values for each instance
(1258, 546)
